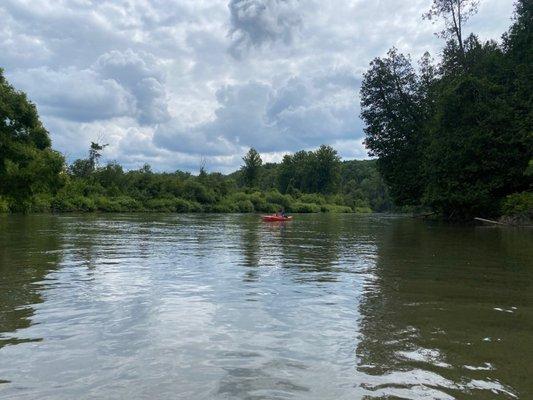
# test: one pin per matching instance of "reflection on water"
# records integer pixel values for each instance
(228, 307)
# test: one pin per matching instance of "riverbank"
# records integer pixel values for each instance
(239, 202)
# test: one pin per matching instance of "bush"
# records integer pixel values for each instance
(239, 196)
(270, 208)
(337, 199)
(259, 202)
(222, 208)
(126, 203)
(182, 206)
(161, 205)
(107, 205)
(245, 206)
(4, 205)
(312, 198)
(333, 208)
(305, 208)
(520, 204)
(195, 191)
(40, 203)
(275, 197)
(194, 207)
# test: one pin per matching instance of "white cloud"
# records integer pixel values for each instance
(76, 95)
(171, 81)
(258, 22)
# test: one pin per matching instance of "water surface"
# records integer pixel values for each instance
(227, 307)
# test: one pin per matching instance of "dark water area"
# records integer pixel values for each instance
(228, 307)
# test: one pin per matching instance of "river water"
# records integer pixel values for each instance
(227, 307)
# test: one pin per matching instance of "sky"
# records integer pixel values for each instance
(184, 83)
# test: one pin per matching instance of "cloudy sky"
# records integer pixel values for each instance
(175, 82)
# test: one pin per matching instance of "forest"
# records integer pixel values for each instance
(456, 136)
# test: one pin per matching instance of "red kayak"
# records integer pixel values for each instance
(275, 218)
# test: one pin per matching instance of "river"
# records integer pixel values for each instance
(167, 306)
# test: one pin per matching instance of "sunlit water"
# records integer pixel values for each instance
(228, 307)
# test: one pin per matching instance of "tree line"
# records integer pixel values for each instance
(456, 136)
(36, 178)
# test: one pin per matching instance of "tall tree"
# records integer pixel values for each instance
(83, 168)
(455, 13)
(477, 153)
(251, 168)
(392, 107)
(327, 170)
(27, 163)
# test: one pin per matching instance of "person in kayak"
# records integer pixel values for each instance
(281, 213)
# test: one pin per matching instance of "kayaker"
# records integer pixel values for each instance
(281, 213)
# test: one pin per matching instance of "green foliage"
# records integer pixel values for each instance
(298, 207)
(161, 205)
(458, 141)
(275, 197)
(4, 205)
(195, 191)
(251, 169)
(28, 166)
(333, 208)
(518, 204)
(245, 206)
(310, 172)
(312, 198)
(391, 104)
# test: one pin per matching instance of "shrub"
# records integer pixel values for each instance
(245, 206)
(520, 204)
(259, 202)
(305, 208)
(270, 208)
(333, 208)
(107, 205)
(161, 205)
(126, 203)
(62, 204)
(337, 199)
(239, 196)
(182, 205)
(4, 205)
(312, 198)
(40, 203)
(195, 191)
(195, 207)
(70, 204)
(222, 208)
(276, 197)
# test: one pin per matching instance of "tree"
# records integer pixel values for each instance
(327, 170)
(517, 45)
(477, 153)
(394, 111)
(83, 168)
(27, 163)
(455, 13)
(251, 168)
(95, 154)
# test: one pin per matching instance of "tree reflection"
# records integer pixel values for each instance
(30, 250)
(429, 316)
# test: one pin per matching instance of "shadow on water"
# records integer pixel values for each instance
(30, 249)
(448, 314)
